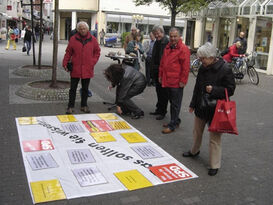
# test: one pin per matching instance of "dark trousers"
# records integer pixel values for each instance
(28, 46)
(73, 89)
(162, 95)
(175, 98)
(148, 70)
(128, 105)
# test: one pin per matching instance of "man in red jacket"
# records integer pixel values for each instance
(173, 75)
(83, 52)
(233, 52)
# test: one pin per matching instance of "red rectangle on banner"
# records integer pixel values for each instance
(97, 125)
(169, 172)
(37, 145)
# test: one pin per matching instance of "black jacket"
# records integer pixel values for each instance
(132, 80)
(242, 49)
(220, 76)
(27, 36)
(157, 52)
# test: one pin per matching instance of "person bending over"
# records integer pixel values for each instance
(129, 83)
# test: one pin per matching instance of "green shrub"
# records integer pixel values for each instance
(123, 36)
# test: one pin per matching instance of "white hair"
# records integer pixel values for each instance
(207, 50)
(158, 28)
(82, 23)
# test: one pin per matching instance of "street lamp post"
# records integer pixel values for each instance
(32, 26)
(138, 19)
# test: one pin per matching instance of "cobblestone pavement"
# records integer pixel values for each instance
(244, 179)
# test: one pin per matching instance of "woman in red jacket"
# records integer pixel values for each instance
(83, 52)
(233, 52)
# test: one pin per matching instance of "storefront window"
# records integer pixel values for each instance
(208, 30)
(127, 27)
(262, 40)
(112, 27)
(224, 30)
(269, 7)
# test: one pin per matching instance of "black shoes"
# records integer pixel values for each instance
(138, 115)
(69, 111)
(189, 154)
(160, 117)
(212, 172)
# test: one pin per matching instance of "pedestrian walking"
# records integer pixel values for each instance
(159, 46)
(11, 38)
(102, 34)
(148, 49)
(82, 53)
(173, 76)
(243, 41)
(135, 47)
(37, 32)
(27, 38)
(213, 77)
(129, 83)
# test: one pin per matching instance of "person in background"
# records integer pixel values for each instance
(233, 52)
(16, 33)
(135, 47)
(27, 38)
(213, 77)
(130, 37)
(148, 50)
(129, 83)
(159, 46)
(11, 38)
(37, 32)
(83, 52)
(242, 39)
(102, 34)
(173, 76)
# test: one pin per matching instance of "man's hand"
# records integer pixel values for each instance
(160, 80)
(65, 68)
(208, 88)
(181, 85)
(119, 111)
(191, 110)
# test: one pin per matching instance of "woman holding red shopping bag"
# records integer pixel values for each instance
(213, 78)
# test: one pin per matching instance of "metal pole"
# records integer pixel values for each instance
(33, 38)
(41, 34)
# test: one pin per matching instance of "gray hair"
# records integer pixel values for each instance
(82, 23)
(173, 29)
(207, 50)
(158, 28)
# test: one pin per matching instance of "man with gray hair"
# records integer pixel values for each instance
(173, 76)
(82, 54)
(159, 46)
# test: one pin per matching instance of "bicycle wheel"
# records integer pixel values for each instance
(195, 67)
(253, 75)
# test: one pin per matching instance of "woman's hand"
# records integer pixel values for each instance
(208, 88)
(119, 111)
(191, 110)
(65, 68)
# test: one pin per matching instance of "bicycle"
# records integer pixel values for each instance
(245, 65)
(195, 62)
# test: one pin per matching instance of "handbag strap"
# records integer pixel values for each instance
(226, 95)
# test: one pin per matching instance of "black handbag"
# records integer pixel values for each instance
(24, 49)
(207, 102)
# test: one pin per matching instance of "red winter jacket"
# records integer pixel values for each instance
(233, 52)
(175, 65)
(84, 54)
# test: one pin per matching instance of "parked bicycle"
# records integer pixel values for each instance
(245, 65)
(195, 62)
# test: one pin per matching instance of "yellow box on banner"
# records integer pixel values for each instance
(107, 116)
(50, 190)
(66, 118)
(102, 137)
(27, 120)
(133, 137)
(119, 125)
(133, 179)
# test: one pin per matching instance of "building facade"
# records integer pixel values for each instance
(222, 22)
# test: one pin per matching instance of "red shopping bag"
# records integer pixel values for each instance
(224, 119)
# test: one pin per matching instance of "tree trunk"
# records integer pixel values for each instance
(173, 18)
(55, 45)
(41, 34)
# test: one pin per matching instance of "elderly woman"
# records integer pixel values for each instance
(83, 52)
(129, 83)
(135, 47)
(213, 77)
(233, 52)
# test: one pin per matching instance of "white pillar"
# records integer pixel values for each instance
(251, 34)
(232, 31)
(73, 20)
(184, 35)
(93, 21)
(199, 32)
(215, 32)
(269, 69)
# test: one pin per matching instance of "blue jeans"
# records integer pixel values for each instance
(175, 96)
(28, 46)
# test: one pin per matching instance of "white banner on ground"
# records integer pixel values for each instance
(82, 163)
